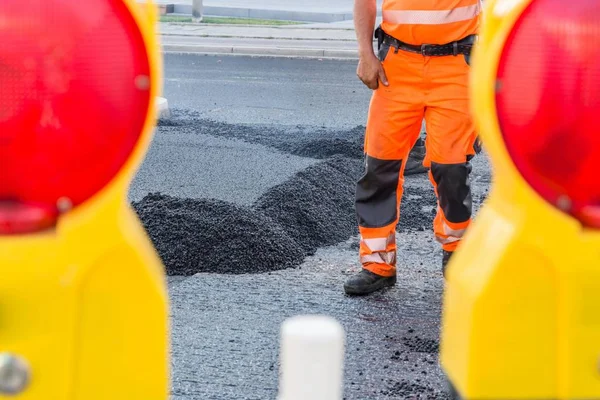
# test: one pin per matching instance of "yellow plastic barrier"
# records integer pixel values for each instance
(83, 302)
(521, 315)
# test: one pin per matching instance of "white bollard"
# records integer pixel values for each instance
(162, 108)
(312, 359)
(197, 11)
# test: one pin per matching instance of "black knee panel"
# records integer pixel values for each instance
(454, 190)
(376, 193)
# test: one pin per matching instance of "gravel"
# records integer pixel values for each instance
(290, 221)
(208, 235)
(317, 206)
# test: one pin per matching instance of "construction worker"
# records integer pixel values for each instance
(420, 72)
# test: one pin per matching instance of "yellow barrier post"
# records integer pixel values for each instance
(520, 317)
(83, 303)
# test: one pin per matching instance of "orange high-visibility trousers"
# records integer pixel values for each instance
(436, 89)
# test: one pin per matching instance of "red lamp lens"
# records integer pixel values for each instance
(74, 80)
(548, 103)
(19, 217)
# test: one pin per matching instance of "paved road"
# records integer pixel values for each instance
(283, 93)
(267, 117)
(267, 91)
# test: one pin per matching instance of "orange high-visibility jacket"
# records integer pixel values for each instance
(431, 21)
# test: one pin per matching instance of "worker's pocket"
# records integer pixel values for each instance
(383, 52)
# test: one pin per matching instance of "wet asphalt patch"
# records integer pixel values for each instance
(312, 209)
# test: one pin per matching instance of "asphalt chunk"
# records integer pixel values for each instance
(208, 235)
(421, 345)
(405, 389)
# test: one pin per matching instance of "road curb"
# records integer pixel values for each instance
(238, 36)
(240, 12)
(261, 51)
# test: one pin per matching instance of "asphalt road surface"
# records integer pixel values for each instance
(247, 194)
(267, 90)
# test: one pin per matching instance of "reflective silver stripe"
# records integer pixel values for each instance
(432, 17)
(388, 258)
(379, 244)
(379, 253)
(454, 232)
(448, 240)
(454, 235)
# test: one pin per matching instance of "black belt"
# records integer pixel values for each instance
(462, 46)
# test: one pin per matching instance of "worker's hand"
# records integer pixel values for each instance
(370, 71)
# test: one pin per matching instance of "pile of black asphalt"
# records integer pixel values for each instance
(312, 209)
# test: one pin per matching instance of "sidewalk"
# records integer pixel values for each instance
(298, 10)
(329, 33)
(336, 40)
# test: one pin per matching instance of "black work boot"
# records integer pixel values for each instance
(366, 282)
(445, 260)
(414, 163)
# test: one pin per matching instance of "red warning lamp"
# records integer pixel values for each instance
(74, 97)
(548, 103)
(78, 79)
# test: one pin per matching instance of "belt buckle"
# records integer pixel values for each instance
(424, 48)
